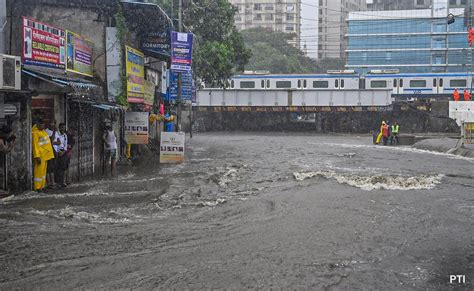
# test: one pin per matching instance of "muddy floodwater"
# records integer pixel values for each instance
(253, 211)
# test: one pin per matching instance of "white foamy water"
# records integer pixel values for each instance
(70, 213)
(377, 182)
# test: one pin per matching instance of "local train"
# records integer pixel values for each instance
(401, 83)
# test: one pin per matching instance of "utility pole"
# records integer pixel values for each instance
(180, 77)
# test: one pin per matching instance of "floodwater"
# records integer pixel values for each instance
(253, 211)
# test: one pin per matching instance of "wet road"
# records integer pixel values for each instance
(253, 211)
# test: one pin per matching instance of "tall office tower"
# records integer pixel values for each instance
(277, 15)
(332, 30)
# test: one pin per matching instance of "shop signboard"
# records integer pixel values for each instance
(136, 127)
(135, 65)
(186, 86)
(181, 51)
(172, 147)
(149, 96)
(43, 45)
(79, 54)
(157, 43)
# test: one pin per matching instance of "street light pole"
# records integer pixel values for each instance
(180, 78)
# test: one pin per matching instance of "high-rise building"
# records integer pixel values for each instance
(332, 26)
(277, 15)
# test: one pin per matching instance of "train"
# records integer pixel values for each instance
(401, 84)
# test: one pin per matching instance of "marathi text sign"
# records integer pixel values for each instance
(43, 45)
(181, 51)
(136, 127)
(172, 147)
(79, 54)
(135, 75)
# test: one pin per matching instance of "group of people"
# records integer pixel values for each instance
(466, 95)
(52, 152)
(388, 133)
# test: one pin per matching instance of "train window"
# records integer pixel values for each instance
(342, 83)
(441, 82)
(262, 84)
(232, 84)
(268, 83)
(305, 84)
(417, 83)
(378, 84)
(395, 83)
(283, 84)
(362, 84)
(435, 83)
(299, 83)
(336, 83)
(320, 84)
(401, 83)
(247, 84)
(457, 83)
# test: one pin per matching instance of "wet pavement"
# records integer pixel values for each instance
(253, 211)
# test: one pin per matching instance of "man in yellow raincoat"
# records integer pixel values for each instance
(379, 137)
(42, 153)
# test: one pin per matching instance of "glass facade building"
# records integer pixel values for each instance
(412, 41)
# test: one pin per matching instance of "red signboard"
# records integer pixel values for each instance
(43, 45)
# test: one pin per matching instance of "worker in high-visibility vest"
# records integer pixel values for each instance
(467, 95)
(42, 153)
(395, 132)
(456, 95)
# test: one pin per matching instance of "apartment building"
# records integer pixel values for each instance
(332, 27)
(383, 5)
(277, 15)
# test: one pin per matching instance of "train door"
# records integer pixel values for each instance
(398, 86)
(438, 85)
(302, 84)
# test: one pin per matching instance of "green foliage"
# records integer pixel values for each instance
(219, 49)
(122, 35)
(272, 52)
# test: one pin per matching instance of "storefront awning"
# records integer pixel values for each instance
(106, 106)
(76, 87)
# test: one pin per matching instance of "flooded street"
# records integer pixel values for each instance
(253, 211)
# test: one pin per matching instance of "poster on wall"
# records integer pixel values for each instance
(136, 127)
(181, 51)
(172, 147)
(135, 75)
(43, 45)
(79, 54)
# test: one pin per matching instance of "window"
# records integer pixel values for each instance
(336, 83)
(342, 83)
(269, 7)
(378, 84)
(247, 84)
(232, 84)
(257, 7)
(420, 2)
(435, 84)
(305, 84)
(262, 84)
(417, 84)
(388, 56)
(320, 84)
(258, 17)
(290, 8)
(457, 83)
(441, 82)
(269, 16)
(290, 17)
(395, 83)
(283, 84)
(401, 83)
(290, 28)
(268, 83)
(299, 83)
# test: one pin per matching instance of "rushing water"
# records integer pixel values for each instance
(252, 211)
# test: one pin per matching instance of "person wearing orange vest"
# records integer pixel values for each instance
(467, 95)
(42, 153)
(456, 95)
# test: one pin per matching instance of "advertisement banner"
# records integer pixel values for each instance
(135, 75)
(157, 43)
(186, 83)
(149, 96)
(136, 127)
(181, 51)
(43, 45)
(172, 147)
(79, 54)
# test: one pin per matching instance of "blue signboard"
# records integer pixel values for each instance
(186, 83)
(157, 43)
(181, 51)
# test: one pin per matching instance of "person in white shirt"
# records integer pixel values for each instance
(110, 143)
(60, 147)
(51, 170)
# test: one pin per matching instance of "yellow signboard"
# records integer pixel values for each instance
(135, 65)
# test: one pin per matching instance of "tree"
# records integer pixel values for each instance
(219, 49)
(272, 52)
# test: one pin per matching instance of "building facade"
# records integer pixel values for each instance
(418, 41)
(278, 15)
(332, 26)
(383, 5)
